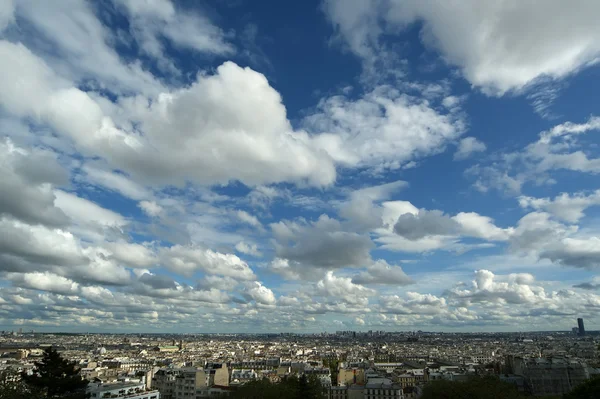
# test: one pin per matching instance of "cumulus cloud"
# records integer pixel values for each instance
(559, 148)
(187, 260)
(7, 10)
(342, 288)
(26, 185)
(499, 46)
(86, 212)
(249, 249)
(39, 244)
(150, 208)
(589, 285)
(536, 230)
(434, 228)
(363, 210)
(565, 206)
(260, 294)
(385, 129)
(248, 218)
(44, 281)
(578, 252)
(323, 244)
(516, 289)
(151, 23)
(115, 181)
(251, 139)
(380, 272)
(131, 254)
(86, 123)
(467, 147)
(414, 303)
(425, 223)
(218, 282)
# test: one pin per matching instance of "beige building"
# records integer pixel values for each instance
(164, 381)
(191, 383)
(406, 380)
(188, 382)
(351, 376)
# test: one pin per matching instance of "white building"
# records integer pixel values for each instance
(128, 390)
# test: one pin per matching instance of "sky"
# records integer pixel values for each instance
(299, 166)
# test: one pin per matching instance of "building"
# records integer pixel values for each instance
(217, 374)
(550, 376)
(351, 376)
(406, 380)
(581, 327)
(128, 390)
(188, 382)
(167, 348)
(243, 375)
(164, 381)
(383, 388)
(192, 382)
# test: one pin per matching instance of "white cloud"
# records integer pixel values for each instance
(248, 218)
(499, 45)
(321, 244)
(263, 196)
(250, 138)
(380, 272)
(568, 207)
(558, 148)
(415, 303)
(7, 10)
(151, 22)
(474, 225)
(422, 230)
(259, 293)
(594, 284)
(86, 212)
(343, 288)
(385, 129)
(362, 209)
(576, 252)
(286, 270)
(115, 181)
(39, 244)
(218, 282)
(249, 249)
(131, 254)
(536, 230)
(187, 260)
(26, 185)
(425, 223)
(81, 45)
(151, 208)
(45, 281)
(467, 147)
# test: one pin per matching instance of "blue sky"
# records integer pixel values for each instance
(232, 166)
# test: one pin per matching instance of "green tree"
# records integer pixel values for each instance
(290, 387)
(587, 390)
(12, 387)
(263, 389)
(475, 388)
(56, 377)
(309, 387)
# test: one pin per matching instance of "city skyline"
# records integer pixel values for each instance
(177, 166)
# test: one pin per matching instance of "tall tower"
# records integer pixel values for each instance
(581, 327)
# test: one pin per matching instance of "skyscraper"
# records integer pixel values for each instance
(581, 327)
